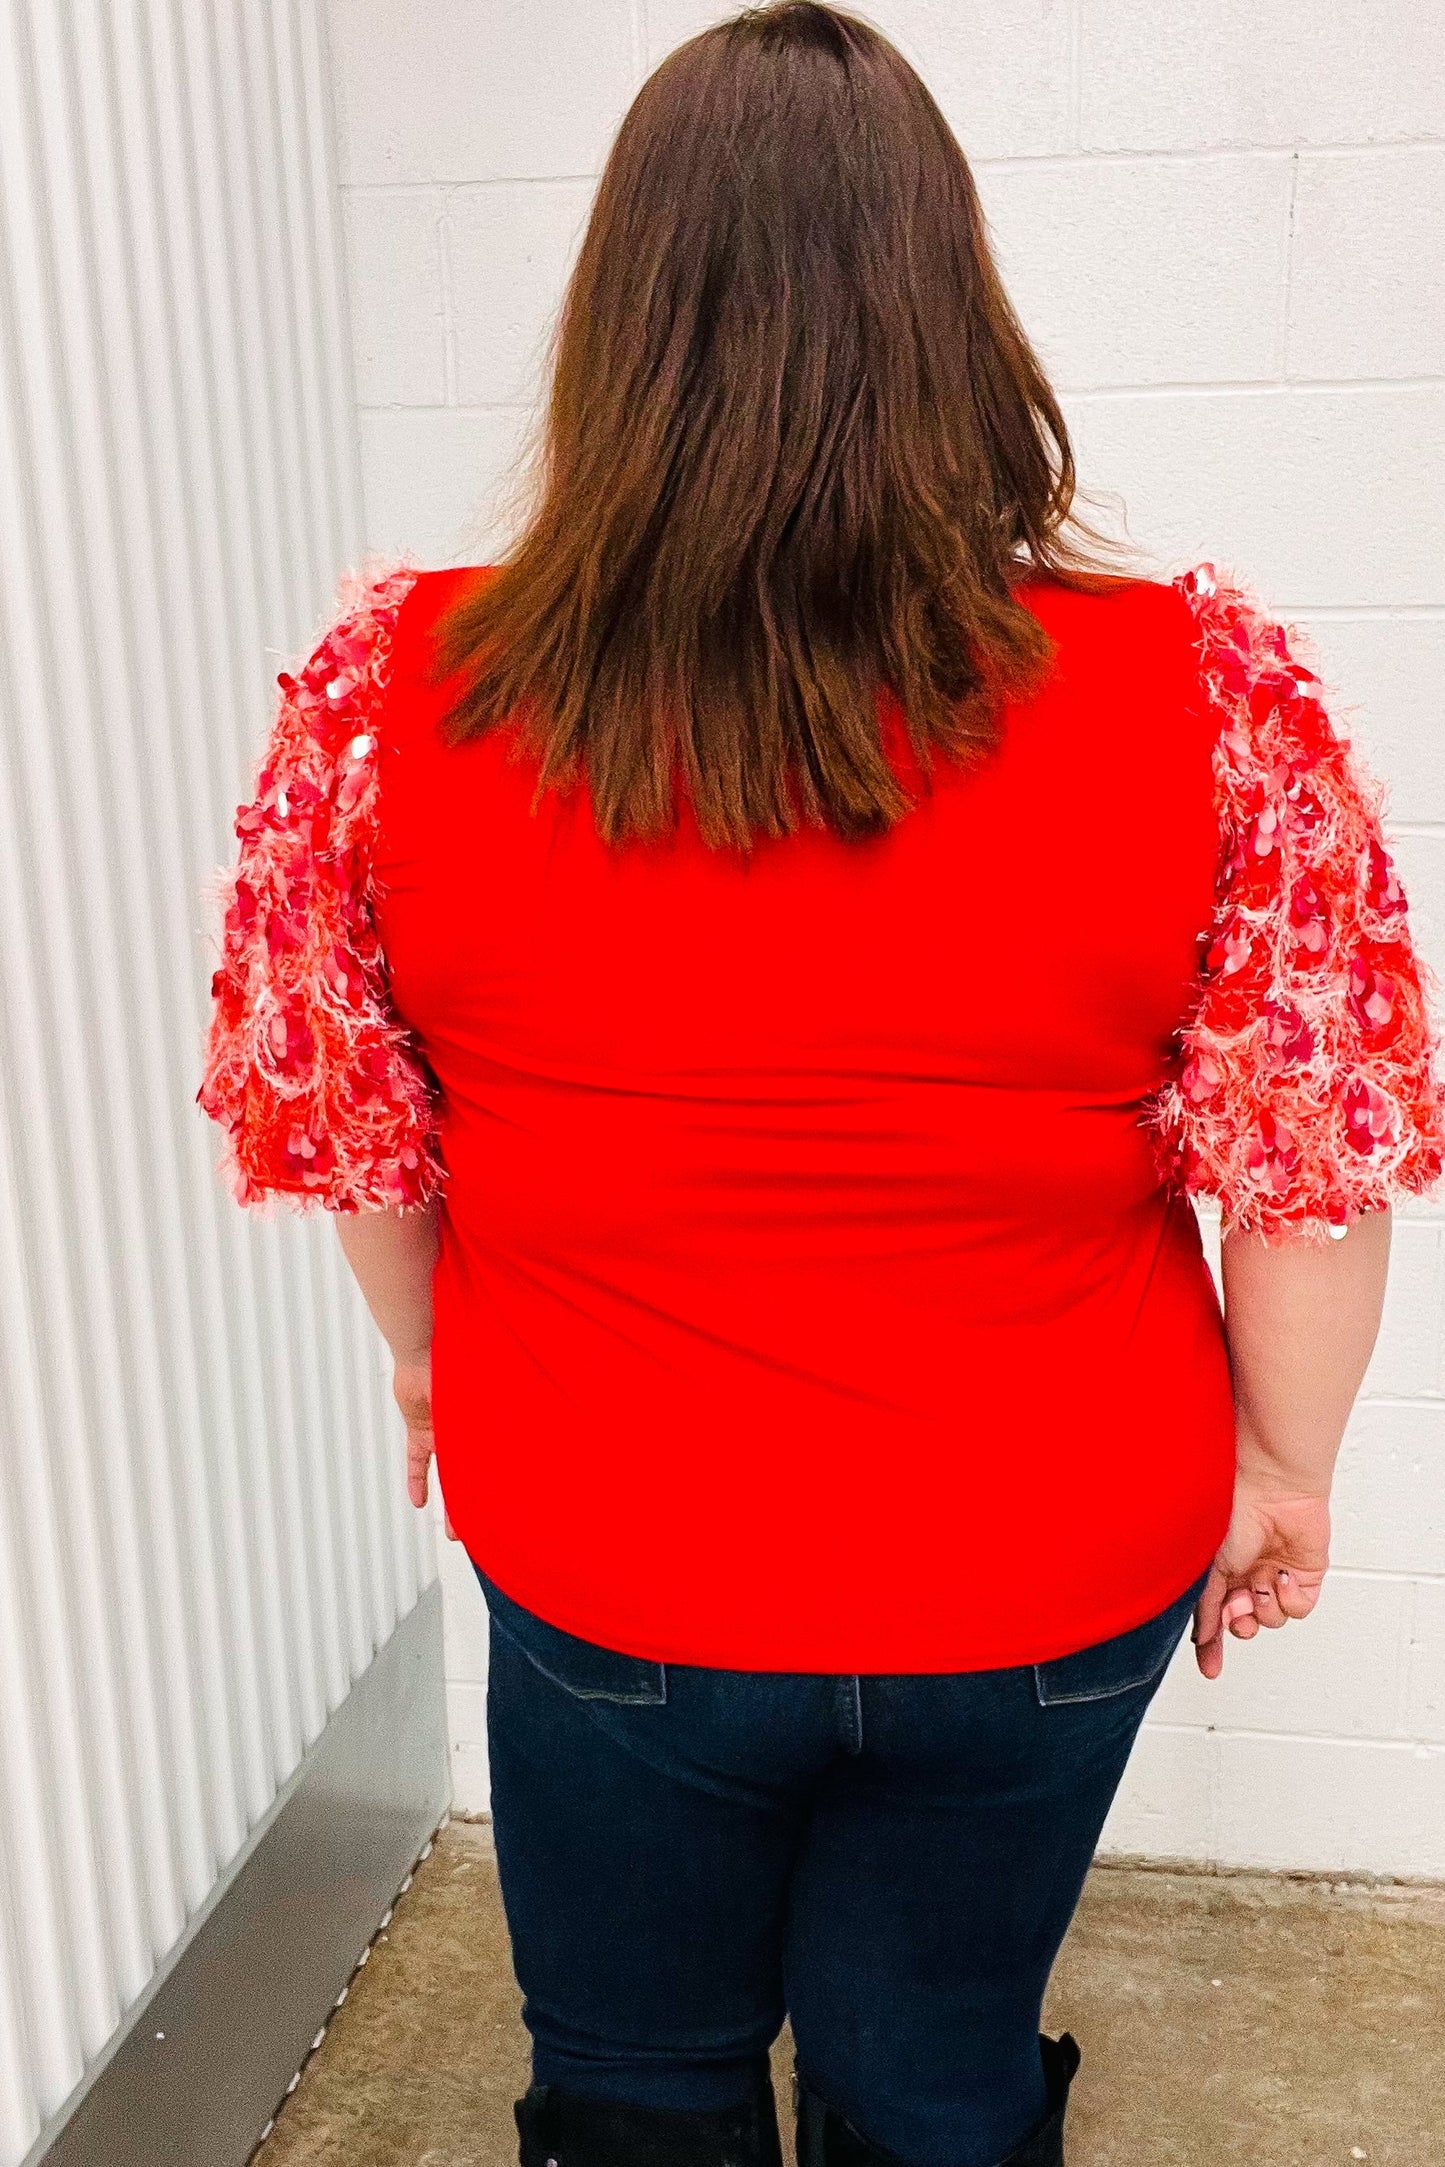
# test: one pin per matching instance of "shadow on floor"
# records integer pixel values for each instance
(1223, 2019)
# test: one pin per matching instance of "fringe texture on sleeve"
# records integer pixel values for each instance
(1305, 1089)
(318, 1086)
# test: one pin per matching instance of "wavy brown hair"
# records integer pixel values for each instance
(797, 449)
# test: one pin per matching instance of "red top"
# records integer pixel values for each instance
(817, 1286)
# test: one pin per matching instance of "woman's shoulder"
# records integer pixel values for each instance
(1204, 621)
(392, 597)
(1111, 605)
(431, 595)
(435, 588)
(373, 650)
(1120, 643)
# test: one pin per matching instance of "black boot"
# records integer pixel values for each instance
(825, 2139)
(566, 2129)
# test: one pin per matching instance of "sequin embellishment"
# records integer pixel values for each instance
(1304, 1091)
(317, 1083)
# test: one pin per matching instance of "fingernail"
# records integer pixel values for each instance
(1282, 1576)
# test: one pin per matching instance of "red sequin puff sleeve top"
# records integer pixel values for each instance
(818, 1286)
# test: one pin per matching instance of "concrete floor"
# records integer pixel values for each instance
(1223, 2019)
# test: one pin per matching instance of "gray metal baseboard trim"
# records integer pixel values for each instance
(208, 2051)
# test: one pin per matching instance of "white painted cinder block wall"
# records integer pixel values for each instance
(1222, 227)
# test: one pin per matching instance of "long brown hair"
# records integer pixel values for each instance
(797, 448)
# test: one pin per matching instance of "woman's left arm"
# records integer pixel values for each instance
(321, 1090)
(1304, 1097)
(313, 1076)
(391, 1254)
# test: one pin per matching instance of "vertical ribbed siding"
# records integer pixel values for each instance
(203, 1537)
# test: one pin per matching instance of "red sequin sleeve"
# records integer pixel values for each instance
(1305, 1090)
(322, 1094)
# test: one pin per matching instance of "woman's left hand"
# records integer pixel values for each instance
(392, 1254)
(411, 1389)
(1270, 1568)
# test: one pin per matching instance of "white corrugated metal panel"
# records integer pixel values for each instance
(203, 1533)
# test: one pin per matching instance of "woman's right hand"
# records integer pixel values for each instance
(1270, 1567)
(411, 1389)
(1300, 1318)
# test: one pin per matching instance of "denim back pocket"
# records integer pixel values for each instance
(1129, 1660)
(581, 1667)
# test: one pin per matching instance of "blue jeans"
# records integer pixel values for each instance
(687, 1855)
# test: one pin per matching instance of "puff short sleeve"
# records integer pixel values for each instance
(1304, 1090)
(320, 1089)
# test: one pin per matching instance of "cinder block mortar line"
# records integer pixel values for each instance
(1203, 154)
(1094, 395)
(1252, 387)
(1403, 147)
(1198, 154)
(1348, 612)
(1214, 1801)
(1387, 1573)
(441, 187)
(1287, 270)
(469, 406)
(449, 328)
(1408, 1668)
(1432, 1748)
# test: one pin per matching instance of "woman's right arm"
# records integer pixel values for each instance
(1301, 1319)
